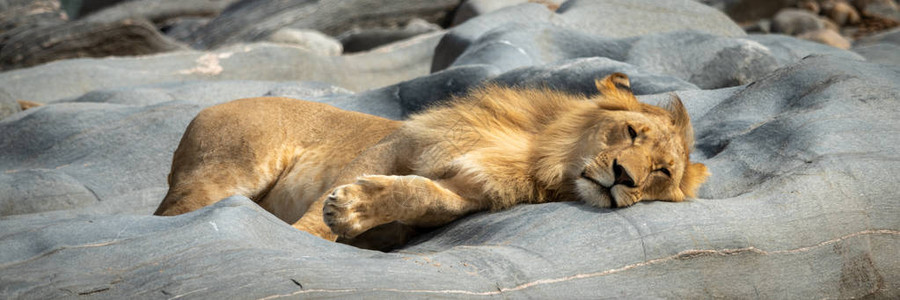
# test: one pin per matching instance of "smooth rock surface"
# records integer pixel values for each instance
(624, 18)
(803, 141)
(800, 205)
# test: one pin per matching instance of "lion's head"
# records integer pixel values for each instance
(615, 151)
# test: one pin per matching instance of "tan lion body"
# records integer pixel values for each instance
(347, 172)
(282, 153)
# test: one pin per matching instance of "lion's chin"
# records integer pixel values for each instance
(593, 194)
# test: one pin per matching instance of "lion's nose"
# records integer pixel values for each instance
(622, 176)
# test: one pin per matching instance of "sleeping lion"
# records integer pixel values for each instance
(338, 174)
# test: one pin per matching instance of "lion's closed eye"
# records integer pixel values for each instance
(664, 171)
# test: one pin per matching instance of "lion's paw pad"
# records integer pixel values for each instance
(347, 209)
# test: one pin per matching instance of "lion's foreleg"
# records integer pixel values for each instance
(374, 200)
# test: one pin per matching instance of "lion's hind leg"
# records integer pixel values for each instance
(221, 155)
(187, 198)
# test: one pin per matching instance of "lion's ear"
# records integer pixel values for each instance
(615, 93)
(615, 81)
(681, 119)
(694, 175)
(679, 113)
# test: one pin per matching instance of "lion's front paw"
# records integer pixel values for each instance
(352, 209)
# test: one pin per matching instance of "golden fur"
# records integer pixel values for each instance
(496, 147)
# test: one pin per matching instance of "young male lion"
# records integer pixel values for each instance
(342, 173)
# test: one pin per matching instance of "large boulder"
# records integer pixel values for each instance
(800, 204)
(36, 32)
(624, 18)
(708, 61)
(33, 46)
(252, 20)
(619, 19)
(793, 21)
(473, 8)
(158, 11)
(358, 39)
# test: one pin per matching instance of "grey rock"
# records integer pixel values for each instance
(707, 61)
(157, 11)
(625, 18)
(620, 19)
(800, 204)
(314, 41)
(207, 93)
(787, 50)
(793, 21)
(310, 91)
(704, 60)
(461, 37)
(512, 45)
(578, 76)
(252, 20)
(85, 7)
(889, 36)
(400, 100)
(472, 8)
(39, 190)
(823, 94)
(418, 94)
(127, 28)
(72, 78)
(358, 40)
(8, 105)
(82, 38)
(882, 53)
(111, 150)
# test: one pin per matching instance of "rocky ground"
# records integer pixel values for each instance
(800, 129)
